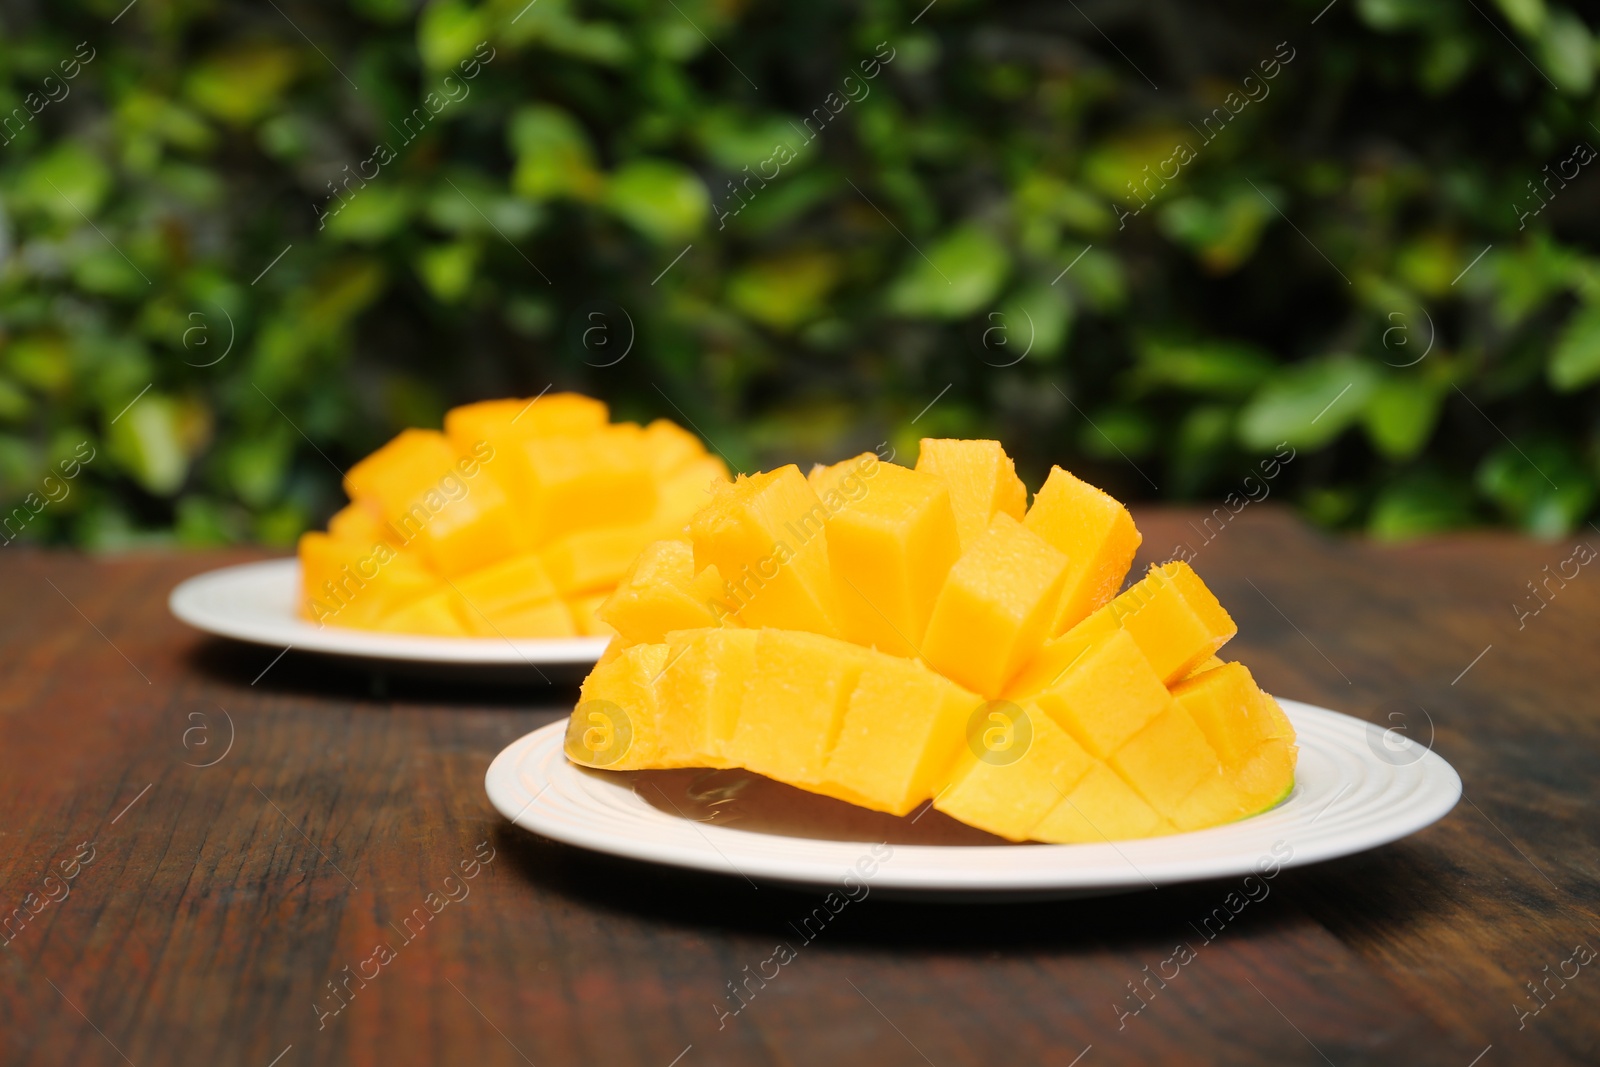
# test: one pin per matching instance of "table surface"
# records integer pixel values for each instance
(242, 835)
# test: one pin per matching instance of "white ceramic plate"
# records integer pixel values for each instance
(1356, 787)
(255, 602)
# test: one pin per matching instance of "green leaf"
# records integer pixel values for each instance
(255, 468)
(447, 31)
(1037, 321)
(1401, 414)
(1391, 16)
(553, 155)
(959, 275)
(666, 201)
(1543, 486)
(1575, 361)
(1308, 405)
(147, 442)
(1527, 16)
(240, 85)
(784, 291)
(1568, 50)
(1212, 368)
(1222, 234)
(42, 362)
(447, 269)
(1417, 505)
(374, 213)
(68, 180)
(1118, 433)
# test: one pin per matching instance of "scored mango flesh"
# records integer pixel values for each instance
(518, 520)
(894, 638)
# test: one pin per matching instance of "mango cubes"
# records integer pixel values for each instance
(902, 638)
(518, 520)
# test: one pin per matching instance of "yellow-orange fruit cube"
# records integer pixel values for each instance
(902, 731)
(403, 474)
(353, 583)
(357, 522)
(616, 722)
(586, 615)
(497, 421)
(684, 492)
(670, 447)
(513, 598)
(765, 535)
(1007, 794)
(1050, 663)
(1107, 696)
(995, 608)
(847, 480)
(1172, 616)
(474, 523)
(1166, 760)
(703, 688)
(1232, 711)
(660, 592)
(794, 704)
(982, 480)
(1094, 532)
(441, 613)
(1101, 807)
(571, 481)
(1251, 736)
(590, 559)
(891, 542)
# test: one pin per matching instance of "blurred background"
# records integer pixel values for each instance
(1341, 255)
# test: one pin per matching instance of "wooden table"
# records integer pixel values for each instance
(212, 909)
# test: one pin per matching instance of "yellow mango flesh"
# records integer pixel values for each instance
(765, 535)
(513, 598)
(506, 479)
(670, 447)
(1252, 738)
(1126, 725)
(1009, 798)
(616, 722)
(794, 705)
(1232, 711)
(440, 614)
(573, 481)
(1166, 760)
(477, 525)
(586, 615)
(586, 560)
(982, 481)
(355, 583)
(660, 592)
(704, 683)
(1107, 696)
(398, 475)
(1101, 807)
(497, 421)
(1176, 621)
(995, 608)
(890, 546)
(903, 728)
(1094, 532)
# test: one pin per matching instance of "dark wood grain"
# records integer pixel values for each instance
(218, 907)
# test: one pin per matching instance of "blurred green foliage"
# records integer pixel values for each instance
(803, 229)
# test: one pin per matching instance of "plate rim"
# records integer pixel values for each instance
(906, 879)
(186, 604)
